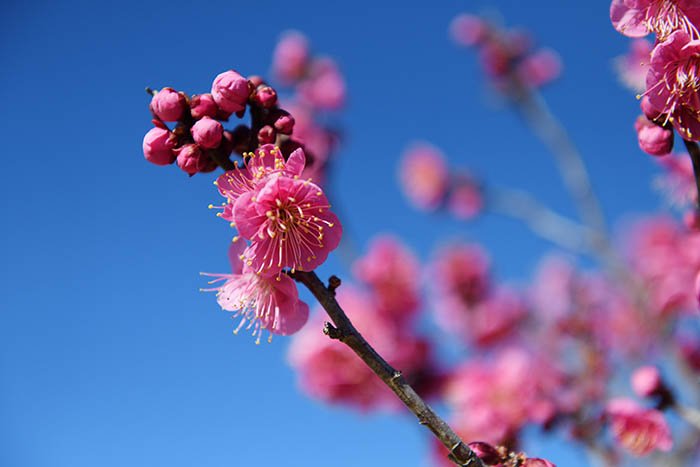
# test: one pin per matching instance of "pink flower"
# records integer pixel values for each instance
(637, 429)
(553, 288)
(633, 67)
(207, 133)
(265, 161)
(493, 400)
(646, 381)
(324, 88)
(673, 82)
(468, 30)
(230, 91)
(330, 371)
(653, 139)
(289, 224)
(265, 303)
(637, 18)
(424, 176)
(540, 68)
(203, 105)
(158, 145)
(291, 57)
(192, 160)
(464, 199)
(393, 272)
(462, 270)
(168, 104)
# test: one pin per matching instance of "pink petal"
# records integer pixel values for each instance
(246, 217)
(296, 163)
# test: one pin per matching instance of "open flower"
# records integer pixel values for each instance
(637, 429)
(264, 303)
(637, 18)
(673, 83)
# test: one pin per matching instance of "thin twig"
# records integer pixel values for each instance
(694, 152)
(345, 332)
(542, 220)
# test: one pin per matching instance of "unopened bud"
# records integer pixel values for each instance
(168, 104)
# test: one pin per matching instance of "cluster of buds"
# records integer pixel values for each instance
(199, 142)
(430, 185)
(499, 456)
(507, 57)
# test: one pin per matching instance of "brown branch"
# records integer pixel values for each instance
(345, 332)
(694, 152)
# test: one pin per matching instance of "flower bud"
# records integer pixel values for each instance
(207, 133)
(168, 104)
(649, 112)
(191, 159)
(256, 81)
(468, 30)
(653, 139)
(488, 454)
(203, 105)
(646, 381)
(158, 146)
(267, 135)
(284, 124)
(230, 91)
(291, 57)
(266, 96)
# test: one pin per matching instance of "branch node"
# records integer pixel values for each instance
(331, 331)
(333, 283)
(150, 91)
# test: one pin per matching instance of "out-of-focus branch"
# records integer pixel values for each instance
(544, 124)
(542, 220)
(345, 332)
(694, 152)
(689, 414)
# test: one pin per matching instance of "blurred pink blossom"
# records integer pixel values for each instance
(291, 57)
(632, 68)
(423, 175)
(638, 430)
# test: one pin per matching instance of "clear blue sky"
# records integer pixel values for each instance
(109, 355)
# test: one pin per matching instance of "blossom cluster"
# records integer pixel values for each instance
(198, 142)
(672, 66)
(284, 223)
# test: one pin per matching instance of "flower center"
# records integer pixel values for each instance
(663, 17)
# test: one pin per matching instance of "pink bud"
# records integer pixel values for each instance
(158, 146)
(487, 453)
(207, 133)
(267, 135)
(203, 105)
(646, 381)
(540, 68)
(650, 112)
(266, 96)
(230, 91)
(291, 57)
(284, 124)
(168, 104)
(191, 159)
(537, 462)
(468, 30)
(653, 139)
(256, 81)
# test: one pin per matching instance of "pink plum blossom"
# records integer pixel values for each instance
(207, 133)
(203, 105)
(673, 82)
(637, 18)
(462, 270)
(264, 303)
(230, 91)
(289, 224)
(464, 199)
(646, 381)
(678, 181)
(192, 160)
(291, 57)
(632, 68)
(638, 430)
(324, 87)
(317, 359)
(168, 104)
(494, 399)
(540, 68)
(653, 139)
(158, 146)
(424, 176)
(393, 273)
(468, 30)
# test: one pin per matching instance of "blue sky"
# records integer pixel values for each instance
(109, 355)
